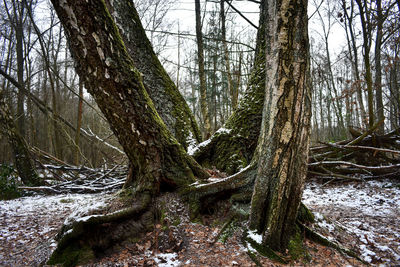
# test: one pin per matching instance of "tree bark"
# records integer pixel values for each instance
(158, 161)
(202, 75)
(378, 66)
(366, 31)
(78, 124)
(284, 139)
(232, 89)
(232, 149)
(22, 157)
(353, 47)
(19, 13)
(169, 103)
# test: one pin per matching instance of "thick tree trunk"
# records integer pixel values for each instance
(22, 157)
(232, 149)
(202, 75)
(158, 161)
(284, 139)
(169, 103)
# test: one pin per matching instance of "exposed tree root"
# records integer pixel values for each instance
(314, 236)
(91, 236)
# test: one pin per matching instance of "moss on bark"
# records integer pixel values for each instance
(233, 149)
(169, 103)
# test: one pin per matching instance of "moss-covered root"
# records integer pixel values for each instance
(254, 249)
(304, 215)
(314, 236)
(200, 195)
(92, 235)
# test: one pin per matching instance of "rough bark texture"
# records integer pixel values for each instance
(284, 139)
(233, 149)
(158, 161)
(22, 157)
(169, 103)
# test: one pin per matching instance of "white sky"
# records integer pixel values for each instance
(184, 13)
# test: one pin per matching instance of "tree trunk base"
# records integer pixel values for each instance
(91, 236)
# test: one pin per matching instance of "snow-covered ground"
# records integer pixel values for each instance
(361, 216)
(29, 224)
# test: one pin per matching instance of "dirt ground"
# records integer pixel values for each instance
(360, 216)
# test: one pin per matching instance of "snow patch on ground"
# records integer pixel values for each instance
(167, 260)
(368, 211)
(255, 236)
(29, 224)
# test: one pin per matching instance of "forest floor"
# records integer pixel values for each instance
(364, 217)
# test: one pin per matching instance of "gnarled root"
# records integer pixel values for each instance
(90, 236)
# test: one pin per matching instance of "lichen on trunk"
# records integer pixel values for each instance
(169, 103)
(284, 139)
(158, 161)
(232, 149)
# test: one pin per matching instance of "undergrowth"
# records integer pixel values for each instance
(8, 183)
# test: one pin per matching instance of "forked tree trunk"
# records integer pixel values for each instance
(158, 161)
(284, 138)
(22, 157)
(169, 103)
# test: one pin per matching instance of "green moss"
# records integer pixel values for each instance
(265, 251)
(254, 258)
(228, 230)
(304, 215)
(8, 185)
(71, 256)
(295, 247)
(177, 221)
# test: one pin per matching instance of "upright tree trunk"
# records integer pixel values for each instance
(22, 157)
(354, 58)
(78, 123)
(283, 143)
(233, 149)
(19, 12)
(169, 103)
(202, 75)
(231, 86)
(158, 161)
(378, 66)
(366, 31)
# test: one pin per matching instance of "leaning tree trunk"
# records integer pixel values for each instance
(22, 157)
(158, 161)
(232, 149)
(169, 103)
(284, 138)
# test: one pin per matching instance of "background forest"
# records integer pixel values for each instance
(194, 117)
(354, 71)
